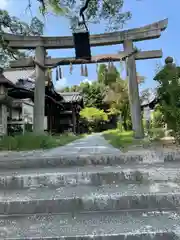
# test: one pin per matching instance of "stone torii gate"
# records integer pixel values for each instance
(126, 37)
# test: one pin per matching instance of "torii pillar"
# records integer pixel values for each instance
(133, 92)
(39, 92)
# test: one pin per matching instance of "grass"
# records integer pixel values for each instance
(33, 142)
(125, 140)
(119, 139)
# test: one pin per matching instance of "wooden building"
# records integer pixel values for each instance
(69, 118)
(61, 109)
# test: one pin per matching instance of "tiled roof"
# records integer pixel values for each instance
(25, 83)
(14, 75)
(5, 81)
(148, 96)
(71, 96)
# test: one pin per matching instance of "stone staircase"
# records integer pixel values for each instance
(90, 196)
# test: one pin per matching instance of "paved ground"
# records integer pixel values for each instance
(95, 144)
(92, 144)
(90, 190)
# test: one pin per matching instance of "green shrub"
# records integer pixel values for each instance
(120, 126)
(168, 93)
(119, 139)
(157, 119)
(144, 123)
(92, 114)
(32, 142)
(156, 133)
(93, 117)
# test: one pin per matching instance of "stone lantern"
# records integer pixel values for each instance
(169, 61)
(4, 101)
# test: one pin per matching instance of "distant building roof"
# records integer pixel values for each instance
(27, 74)
(15, 74)
(25, 83)
(5, 81)
(71, 96)
(147, 96)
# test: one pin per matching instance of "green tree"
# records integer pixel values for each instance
(102, 73)
(93, 94)
(66, 89)
(13, 25)
(117, 97)
(109, 11)
(93, 114)
(75, 88)
(157, 119)
(107, 74)
(116, 93)
(94, 117)
(110, 95)
(169, 95)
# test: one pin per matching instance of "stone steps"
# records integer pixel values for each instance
(112, 225)
(81, 196)
(18, 161)
(89, 175)
(155, 196)
(67, 160)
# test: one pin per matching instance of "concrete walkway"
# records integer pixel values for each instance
(92, 144)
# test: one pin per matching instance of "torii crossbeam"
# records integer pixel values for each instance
(50, 62)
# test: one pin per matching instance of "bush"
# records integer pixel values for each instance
(119, 139)
(32, 142)
(120, 126)
(157, 119)
(156, 133)
(168, 93)
(94, 118)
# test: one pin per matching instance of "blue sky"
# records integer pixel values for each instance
(144, 12)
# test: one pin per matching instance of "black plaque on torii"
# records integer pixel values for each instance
(81, 38)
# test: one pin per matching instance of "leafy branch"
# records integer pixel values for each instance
(94, 11)
(11, 24)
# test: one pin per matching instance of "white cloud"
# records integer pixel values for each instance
(60, 84)
(3, 4)
(86, 80)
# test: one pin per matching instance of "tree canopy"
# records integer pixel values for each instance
(168, 93)
(12, 24)
(108, 11)
(95, 11)
(108, 93)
